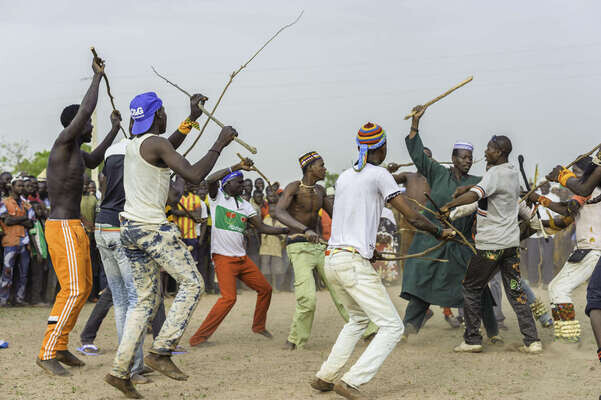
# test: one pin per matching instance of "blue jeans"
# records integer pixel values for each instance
(120, 281)
(6, 281)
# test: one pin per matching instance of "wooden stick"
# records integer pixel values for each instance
(447, 223)
(416, 255)
(570, 165)
(108, 89)
(440, 162)
(254, 168)
(235, 73)
(210, 116)
(445, 94)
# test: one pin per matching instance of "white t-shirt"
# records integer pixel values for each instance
(360, 198)
(588, 225)
(230, 217)
(498, 207)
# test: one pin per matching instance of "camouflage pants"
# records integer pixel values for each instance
(481, 269)
(150, 247)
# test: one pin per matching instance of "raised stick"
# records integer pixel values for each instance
(254, 168)
(206, 112)
(108, 89)
(234, 74)
(445, 94)
(570, 165)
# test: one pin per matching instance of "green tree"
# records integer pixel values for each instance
(12, 154)
(34, 165)
(331, 179)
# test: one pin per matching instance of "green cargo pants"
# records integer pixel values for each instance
(305, 257)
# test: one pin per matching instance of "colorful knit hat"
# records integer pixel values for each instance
(308, 158)
(370, 136)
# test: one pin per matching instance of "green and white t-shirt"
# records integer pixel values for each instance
(230, 217)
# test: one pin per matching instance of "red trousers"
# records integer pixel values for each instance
(227, 270)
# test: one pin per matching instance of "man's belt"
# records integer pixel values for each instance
(335, 250)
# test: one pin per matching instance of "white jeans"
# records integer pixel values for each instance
(363, 295)
(571, 276)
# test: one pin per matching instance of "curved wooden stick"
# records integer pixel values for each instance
(447, 223)
(416, 255)
(570, 165)
(254, 168)
(233, 75)
(108, 89)
(210, 116)
(445, 94)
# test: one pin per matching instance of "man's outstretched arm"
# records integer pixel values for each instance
(418, 220)
(87, 107)
(95, 157)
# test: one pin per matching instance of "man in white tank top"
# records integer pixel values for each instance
(150, 241)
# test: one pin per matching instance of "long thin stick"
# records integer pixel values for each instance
(233, 75)
(440, 162)
(254, 168)
(570, 165)
(416, 255)
(108, 89)
(445, 94)
(447, 223)
(241, 142)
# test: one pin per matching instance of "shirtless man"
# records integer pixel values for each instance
(415, 186)
(67, 240)
(298, 209)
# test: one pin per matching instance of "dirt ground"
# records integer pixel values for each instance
(243, 365)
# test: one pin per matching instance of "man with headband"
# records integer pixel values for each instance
(150, 241)
(361, 193)
(68, 243)
(298, 208)
(231, 215)
(427, 282)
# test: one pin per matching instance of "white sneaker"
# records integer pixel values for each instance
(534, 348)
(468, 348)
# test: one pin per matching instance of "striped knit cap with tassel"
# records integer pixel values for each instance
(371, 136)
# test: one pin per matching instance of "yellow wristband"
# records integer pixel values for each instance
(564, 175)
(186, 126)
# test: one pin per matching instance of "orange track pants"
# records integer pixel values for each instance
(70, 253)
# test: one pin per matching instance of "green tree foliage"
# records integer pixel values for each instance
(34, 165)
(331, 179)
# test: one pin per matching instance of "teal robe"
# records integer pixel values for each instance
(435, 282)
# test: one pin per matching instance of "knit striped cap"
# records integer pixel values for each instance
(308, 158)
(370, 136)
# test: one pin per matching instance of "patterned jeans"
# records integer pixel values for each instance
(150, 247)
(480, 271)
(10, 262)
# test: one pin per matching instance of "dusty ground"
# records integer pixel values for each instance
(242, 365)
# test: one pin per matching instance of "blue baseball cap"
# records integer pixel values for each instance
(142, 108)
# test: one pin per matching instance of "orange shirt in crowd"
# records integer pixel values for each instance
(326, 224)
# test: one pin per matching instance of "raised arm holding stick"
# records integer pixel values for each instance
(108, 88)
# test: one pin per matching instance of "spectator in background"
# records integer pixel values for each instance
(31, 189)
(270, 252)
(5, 179)
(205, 264)
(253, 239)
(39, 256)
(247, 189)
(260, 185)
(16, 216)
(43, 192)
(325, 219)
(190, 211)
(88, 205)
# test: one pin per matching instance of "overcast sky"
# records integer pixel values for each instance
(536, 68)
